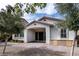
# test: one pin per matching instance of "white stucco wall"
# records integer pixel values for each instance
(30, 36)
(71, 35)
(54, 33)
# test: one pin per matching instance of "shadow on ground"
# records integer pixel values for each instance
(39, 52)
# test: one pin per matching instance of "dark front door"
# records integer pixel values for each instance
(77, 43)
(40, 36)
(36, 36)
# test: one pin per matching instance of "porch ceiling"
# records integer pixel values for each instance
(38, 29)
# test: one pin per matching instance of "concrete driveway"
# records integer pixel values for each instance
(36, 49)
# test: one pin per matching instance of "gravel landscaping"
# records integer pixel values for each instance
(36, 49)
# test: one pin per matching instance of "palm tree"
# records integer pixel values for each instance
(71, 13)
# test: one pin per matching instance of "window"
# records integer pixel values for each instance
(44, 19)
(16, 35)
(22, 34)
(35, 24)
(63, 33)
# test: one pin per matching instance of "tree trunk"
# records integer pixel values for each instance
(5, 46)
(73, 44)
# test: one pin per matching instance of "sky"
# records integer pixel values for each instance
(49, 10)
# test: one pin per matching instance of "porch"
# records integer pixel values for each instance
(36, 35)
(37, 32)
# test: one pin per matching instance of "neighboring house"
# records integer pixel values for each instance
(46, 30)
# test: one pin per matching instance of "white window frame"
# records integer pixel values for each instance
(64, 33)
(18, 35)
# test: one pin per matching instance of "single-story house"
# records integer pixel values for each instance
(45, 30)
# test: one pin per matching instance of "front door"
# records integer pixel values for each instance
(77, 43)
(36, 36)
(40, 36)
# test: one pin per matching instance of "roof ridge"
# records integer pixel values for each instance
(50, 18)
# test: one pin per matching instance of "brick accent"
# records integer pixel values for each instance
(61, 42)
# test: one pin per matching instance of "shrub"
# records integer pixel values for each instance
(17, 41)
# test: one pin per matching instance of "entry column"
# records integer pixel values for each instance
(25, 36)
(48, 35)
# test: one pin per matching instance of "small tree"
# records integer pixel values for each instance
(9, 24)
(71, 13)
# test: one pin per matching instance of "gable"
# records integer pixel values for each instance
(49, 20)
(36, 25)
(24, 22)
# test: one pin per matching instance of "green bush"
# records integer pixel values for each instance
(17, 41)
